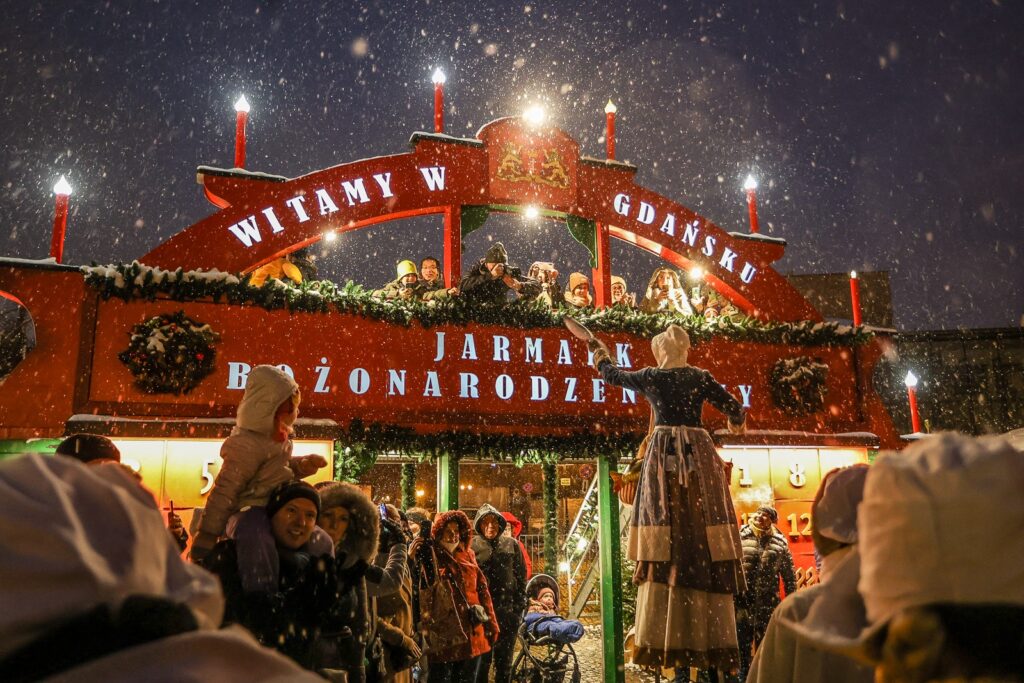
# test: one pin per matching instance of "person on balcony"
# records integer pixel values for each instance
(683, 534)
(405, 287)
(665, 294)
(546, 274)
(620, 297)
(577, 294)
(492, 279)
(431, 283)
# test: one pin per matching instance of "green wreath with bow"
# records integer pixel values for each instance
(798, 385)
(170, 353)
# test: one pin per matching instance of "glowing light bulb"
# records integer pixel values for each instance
(330, 236)
(910, 380)
(438, 78)
(531, 212)
(62, 187)
(563, 566)
(750, 183)
(534, 115)
(696, 274)
(581, 545)
(610, 108)
(242, 104)
(853, 274)
(420, 493)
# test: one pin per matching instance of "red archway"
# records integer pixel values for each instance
(508, 164)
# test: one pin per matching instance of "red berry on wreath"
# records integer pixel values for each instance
(200, 356)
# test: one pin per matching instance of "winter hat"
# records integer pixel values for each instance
(290, 490)
(73, 537)
(89, 447)
(417, 515)
(834, 509)
(266, 388)
(616, 280)
(406, 267)
(539, 583)
(577, 279)
(496, 254)
(920, 543)
(771, 513)
(671, 347)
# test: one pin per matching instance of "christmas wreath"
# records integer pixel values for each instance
(798, 385)
(170, 353)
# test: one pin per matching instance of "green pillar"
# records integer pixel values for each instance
(611, 572)
(447, 483)
(550, 470)
(408, 485)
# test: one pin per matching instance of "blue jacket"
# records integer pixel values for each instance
(558, 629)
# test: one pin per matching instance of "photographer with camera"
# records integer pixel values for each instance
(455, 642)
(492, 278)
(405, 287)
(392, 649)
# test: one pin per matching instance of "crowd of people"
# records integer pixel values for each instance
(299, 582)
(493, 281)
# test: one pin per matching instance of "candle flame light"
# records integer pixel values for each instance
(750, 183)
(910, 380)
(610, 108)
(62, 187)
(438, 78)
(853, 274)
(242, 104)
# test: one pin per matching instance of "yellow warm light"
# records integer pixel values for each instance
(534, 115)
(610, 108)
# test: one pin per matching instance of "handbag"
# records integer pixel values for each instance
(627, 483)
(439, 616)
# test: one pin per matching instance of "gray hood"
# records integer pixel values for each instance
(488, 509)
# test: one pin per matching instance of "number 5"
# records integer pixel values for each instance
(207, 477)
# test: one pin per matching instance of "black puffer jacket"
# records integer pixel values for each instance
(480, 287)
(765, 559)
(502, 563)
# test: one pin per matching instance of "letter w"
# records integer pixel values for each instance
(434, 175)
(246, 231)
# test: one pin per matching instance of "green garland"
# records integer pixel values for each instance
(364, 443)
(408, 485)
(352, 460)
(798, 385)
(170, 353)
(550, 517)
(135, 281)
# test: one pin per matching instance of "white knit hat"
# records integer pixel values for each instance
(940, 522)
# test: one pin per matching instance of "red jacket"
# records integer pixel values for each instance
(517, 528)
(469, 582)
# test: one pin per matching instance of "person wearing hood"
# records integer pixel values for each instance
(515, 529)
(620, 295)
(257, 458)
(766, 558)
(491, 279)
(683, 534)
(933, 590)
(349, 517)
(501, 562)
(666, 294)
(577, 294)
(474, 626)
(546, 274)
(94, 589)
(392, 648)
(782, 656)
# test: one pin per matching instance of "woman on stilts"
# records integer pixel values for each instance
(683, 534)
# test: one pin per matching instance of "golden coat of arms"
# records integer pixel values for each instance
(542, 166)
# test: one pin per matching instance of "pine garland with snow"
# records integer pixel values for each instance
(798, 385)
(136, 281)
(170, 353)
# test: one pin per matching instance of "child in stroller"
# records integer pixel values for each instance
(545, 639)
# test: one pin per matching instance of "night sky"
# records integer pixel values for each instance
(886, 135)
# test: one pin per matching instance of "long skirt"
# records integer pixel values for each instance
(685, 541)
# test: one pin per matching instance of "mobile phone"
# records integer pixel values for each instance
(383, 510)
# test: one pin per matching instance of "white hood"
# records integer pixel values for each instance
(75, 536)
(266, 388)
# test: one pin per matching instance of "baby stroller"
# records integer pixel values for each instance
(545, 640)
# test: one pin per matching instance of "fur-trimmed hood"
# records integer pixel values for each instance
(513, 521)
(465, 529)
(360, 542)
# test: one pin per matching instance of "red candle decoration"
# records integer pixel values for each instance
(751, 187)
(60, 218)
(241, 116)
(609, 128)
(915, 418)
(438, 79)
(855, 297)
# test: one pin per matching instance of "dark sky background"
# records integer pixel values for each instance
(886, 135)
